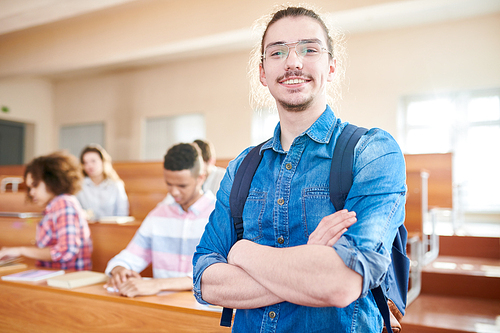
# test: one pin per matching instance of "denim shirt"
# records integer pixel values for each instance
(288, 198)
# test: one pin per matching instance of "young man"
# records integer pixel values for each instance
(169, 234)
(214, 173)
(302, 266)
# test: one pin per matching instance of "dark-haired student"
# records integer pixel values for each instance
(62, 235)
(168, 236)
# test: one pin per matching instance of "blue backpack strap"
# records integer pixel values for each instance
(237, 198)
(342, 160)
(340, 185)
(241, 187)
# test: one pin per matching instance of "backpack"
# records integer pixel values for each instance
(390, 296)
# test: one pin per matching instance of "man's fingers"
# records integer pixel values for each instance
(332, 227)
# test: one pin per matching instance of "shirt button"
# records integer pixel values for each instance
(272, 314)
(288, 166)
(281, 201)
(281, 240)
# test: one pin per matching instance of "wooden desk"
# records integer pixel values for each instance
(108, 239)
(36, 307)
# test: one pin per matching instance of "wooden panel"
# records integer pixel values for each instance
(16, 202)
(145, 185)
(142, 203)
(223, 163)
(39, 308)
(467, 246)
(12, 170)
(413, 219)
(433, 314)
(108, 239)
(139, 169)
(440, 182)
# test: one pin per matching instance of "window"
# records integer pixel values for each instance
(162, 133)
(468, 125)
(263, 125)
(76, 137)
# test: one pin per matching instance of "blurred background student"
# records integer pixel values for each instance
(213, 172)
(103, 192)
(63, 235)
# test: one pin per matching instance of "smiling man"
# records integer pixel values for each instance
(168, 236)
(302, 266)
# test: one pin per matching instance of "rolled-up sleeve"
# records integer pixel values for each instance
(378, 197)
(203, 262)
(219, 235)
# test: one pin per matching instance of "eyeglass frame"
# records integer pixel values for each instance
(303, 41)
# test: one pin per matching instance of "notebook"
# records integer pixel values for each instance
(77, 279)
(32, 275)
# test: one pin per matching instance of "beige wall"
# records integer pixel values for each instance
(383, 66)
(30, 101)
(431, 59)
(214, 86)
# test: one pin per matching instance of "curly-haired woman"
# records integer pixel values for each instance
(62, 235)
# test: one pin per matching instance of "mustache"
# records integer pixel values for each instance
(294, 73)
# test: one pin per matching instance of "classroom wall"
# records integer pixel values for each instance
(214, 86)
(446, 57)
(383, 66)
(31, 101)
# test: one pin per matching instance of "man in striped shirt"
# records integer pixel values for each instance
(168, 236)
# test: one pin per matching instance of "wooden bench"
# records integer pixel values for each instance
(438, 167)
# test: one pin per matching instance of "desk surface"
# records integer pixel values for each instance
(36, 307)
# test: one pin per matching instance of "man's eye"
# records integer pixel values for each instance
(309, 51)
(277, 53)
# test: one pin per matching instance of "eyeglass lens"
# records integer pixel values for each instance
(308, 51)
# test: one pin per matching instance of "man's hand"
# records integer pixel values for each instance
(331, 228)
(139, 287)
(120, 275)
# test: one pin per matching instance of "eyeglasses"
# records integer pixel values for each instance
(308, 51)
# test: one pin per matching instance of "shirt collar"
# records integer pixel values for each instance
(320, 131)
(200, 206)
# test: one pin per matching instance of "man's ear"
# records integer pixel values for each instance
(332, 66)
(262, 75)
(201, 178)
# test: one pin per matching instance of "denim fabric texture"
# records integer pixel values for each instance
(300, 177)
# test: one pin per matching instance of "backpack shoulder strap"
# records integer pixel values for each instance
(342, 160)
(241, 187)
(237, 198)
(340, 184)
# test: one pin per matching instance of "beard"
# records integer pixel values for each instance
(295, 104)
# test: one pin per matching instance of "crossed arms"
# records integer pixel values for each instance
(311, 275)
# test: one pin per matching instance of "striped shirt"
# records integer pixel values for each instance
(64, 230)
(167, 238)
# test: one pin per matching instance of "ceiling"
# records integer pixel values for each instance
(22, 14)
(17, 15)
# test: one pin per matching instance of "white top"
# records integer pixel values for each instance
(213, 180)
(106, 199)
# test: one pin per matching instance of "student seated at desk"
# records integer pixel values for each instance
(103, 192)
(168, 236)
(214, 173)
(63, 235)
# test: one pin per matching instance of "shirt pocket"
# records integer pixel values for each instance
(316, 204)
(253, 214)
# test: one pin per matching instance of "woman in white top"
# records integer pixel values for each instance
(103, 192)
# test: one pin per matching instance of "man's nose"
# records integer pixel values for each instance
(293, 61)
(174, 191)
